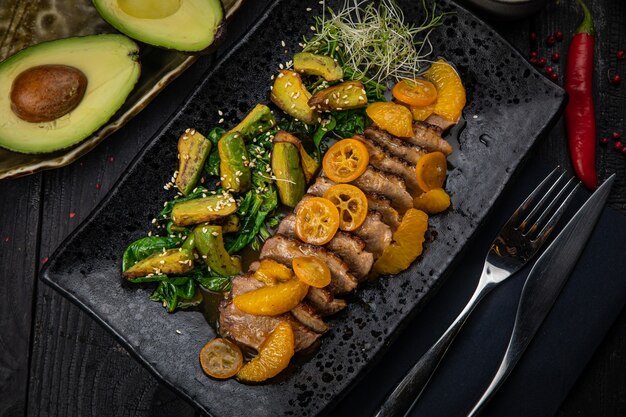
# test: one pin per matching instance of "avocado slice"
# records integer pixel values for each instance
(183, 25)
(109, 63)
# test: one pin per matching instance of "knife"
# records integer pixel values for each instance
(544, 283)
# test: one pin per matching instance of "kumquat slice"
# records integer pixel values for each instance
(221, 358)
(311, 270)
(431, 171)
(317, 221)
(418, 92)
(351, 203)
(346, 160)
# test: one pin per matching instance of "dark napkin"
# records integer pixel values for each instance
(590, 302)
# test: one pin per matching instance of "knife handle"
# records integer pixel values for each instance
(506, 366)
(408, 391)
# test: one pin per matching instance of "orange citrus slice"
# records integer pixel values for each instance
(407, 245)
(394, 118)
(432, 202)
(450, 91)
(272, 300)
(270, 271)
(274, 355)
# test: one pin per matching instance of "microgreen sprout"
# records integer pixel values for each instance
(375, 42)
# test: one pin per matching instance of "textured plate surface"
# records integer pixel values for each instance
(28, 22)
(509, 106)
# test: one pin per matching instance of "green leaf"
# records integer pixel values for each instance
(350, 122)
(171, 292)
(321, 132)
(217, 284)
(144, 247)
(253, 212)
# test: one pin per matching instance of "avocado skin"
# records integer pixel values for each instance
(110, 12)
(97, 56)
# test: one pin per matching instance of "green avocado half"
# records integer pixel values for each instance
(110, 64)
(184, 25)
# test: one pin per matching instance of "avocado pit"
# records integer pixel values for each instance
(45, 93)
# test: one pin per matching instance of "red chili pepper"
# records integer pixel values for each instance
(580, 119)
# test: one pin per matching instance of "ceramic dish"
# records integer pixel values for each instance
(25, 23)
(510, 106)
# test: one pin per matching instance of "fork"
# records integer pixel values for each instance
(518, 241)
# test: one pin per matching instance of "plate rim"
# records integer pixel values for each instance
(46, 277)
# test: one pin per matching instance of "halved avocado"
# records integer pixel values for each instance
(183, 25)
(111, 67)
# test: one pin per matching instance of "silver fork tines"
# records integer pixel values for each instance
(517, 242)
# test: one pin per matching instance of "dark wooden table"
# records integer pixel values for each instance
(56, 361)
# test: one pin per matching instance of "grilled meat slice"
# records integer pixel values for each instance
(375, 201)
(250, 330)
(350, 248)
(387, 162)
(396, 146)
(376, 234)
(283, 249)
(389, 185)
(381, 204)
(320, 186)
(440, 122)
(324, 302)
(429, 137)
(307, 315)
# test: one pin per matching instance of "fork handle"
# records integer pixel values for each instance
(408, 391)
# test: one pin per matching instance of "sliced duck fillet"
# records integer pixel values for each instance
(375, 233)
(395, 146)
(429, 137)
(324, 302)
(250, 330)
(441, 122)
(381, 204)
(391, 186)
(283, 249)
(387, 162)
(350, 248)
(320, 186)
(307, 315)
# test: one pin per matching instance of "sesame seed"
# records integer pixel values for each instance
(282, 43)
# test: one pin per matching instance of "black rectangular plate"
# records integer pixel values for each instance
(509, 106)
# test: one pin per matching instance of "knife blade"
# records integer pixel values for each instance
(544, 283)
